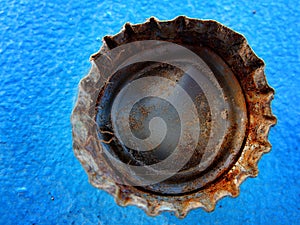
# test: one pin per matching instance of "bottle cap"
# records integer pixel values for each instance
(173, 115)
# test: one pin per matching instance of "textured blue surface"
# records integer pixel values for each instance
(44, 51)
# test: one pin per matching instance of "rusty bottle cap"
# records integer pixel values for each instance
(173, 115)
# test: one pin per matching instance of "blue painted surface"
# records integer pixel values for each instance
(44, 51)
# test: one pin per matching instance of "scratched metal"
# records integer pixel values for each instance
(211, 173)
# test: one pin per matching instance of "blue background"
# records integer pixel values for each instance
(44, 52)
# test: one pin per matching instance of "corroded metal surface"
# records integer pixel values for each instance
(215, 129)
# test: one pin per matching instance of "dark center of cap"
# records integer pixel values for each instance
(172, 127)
